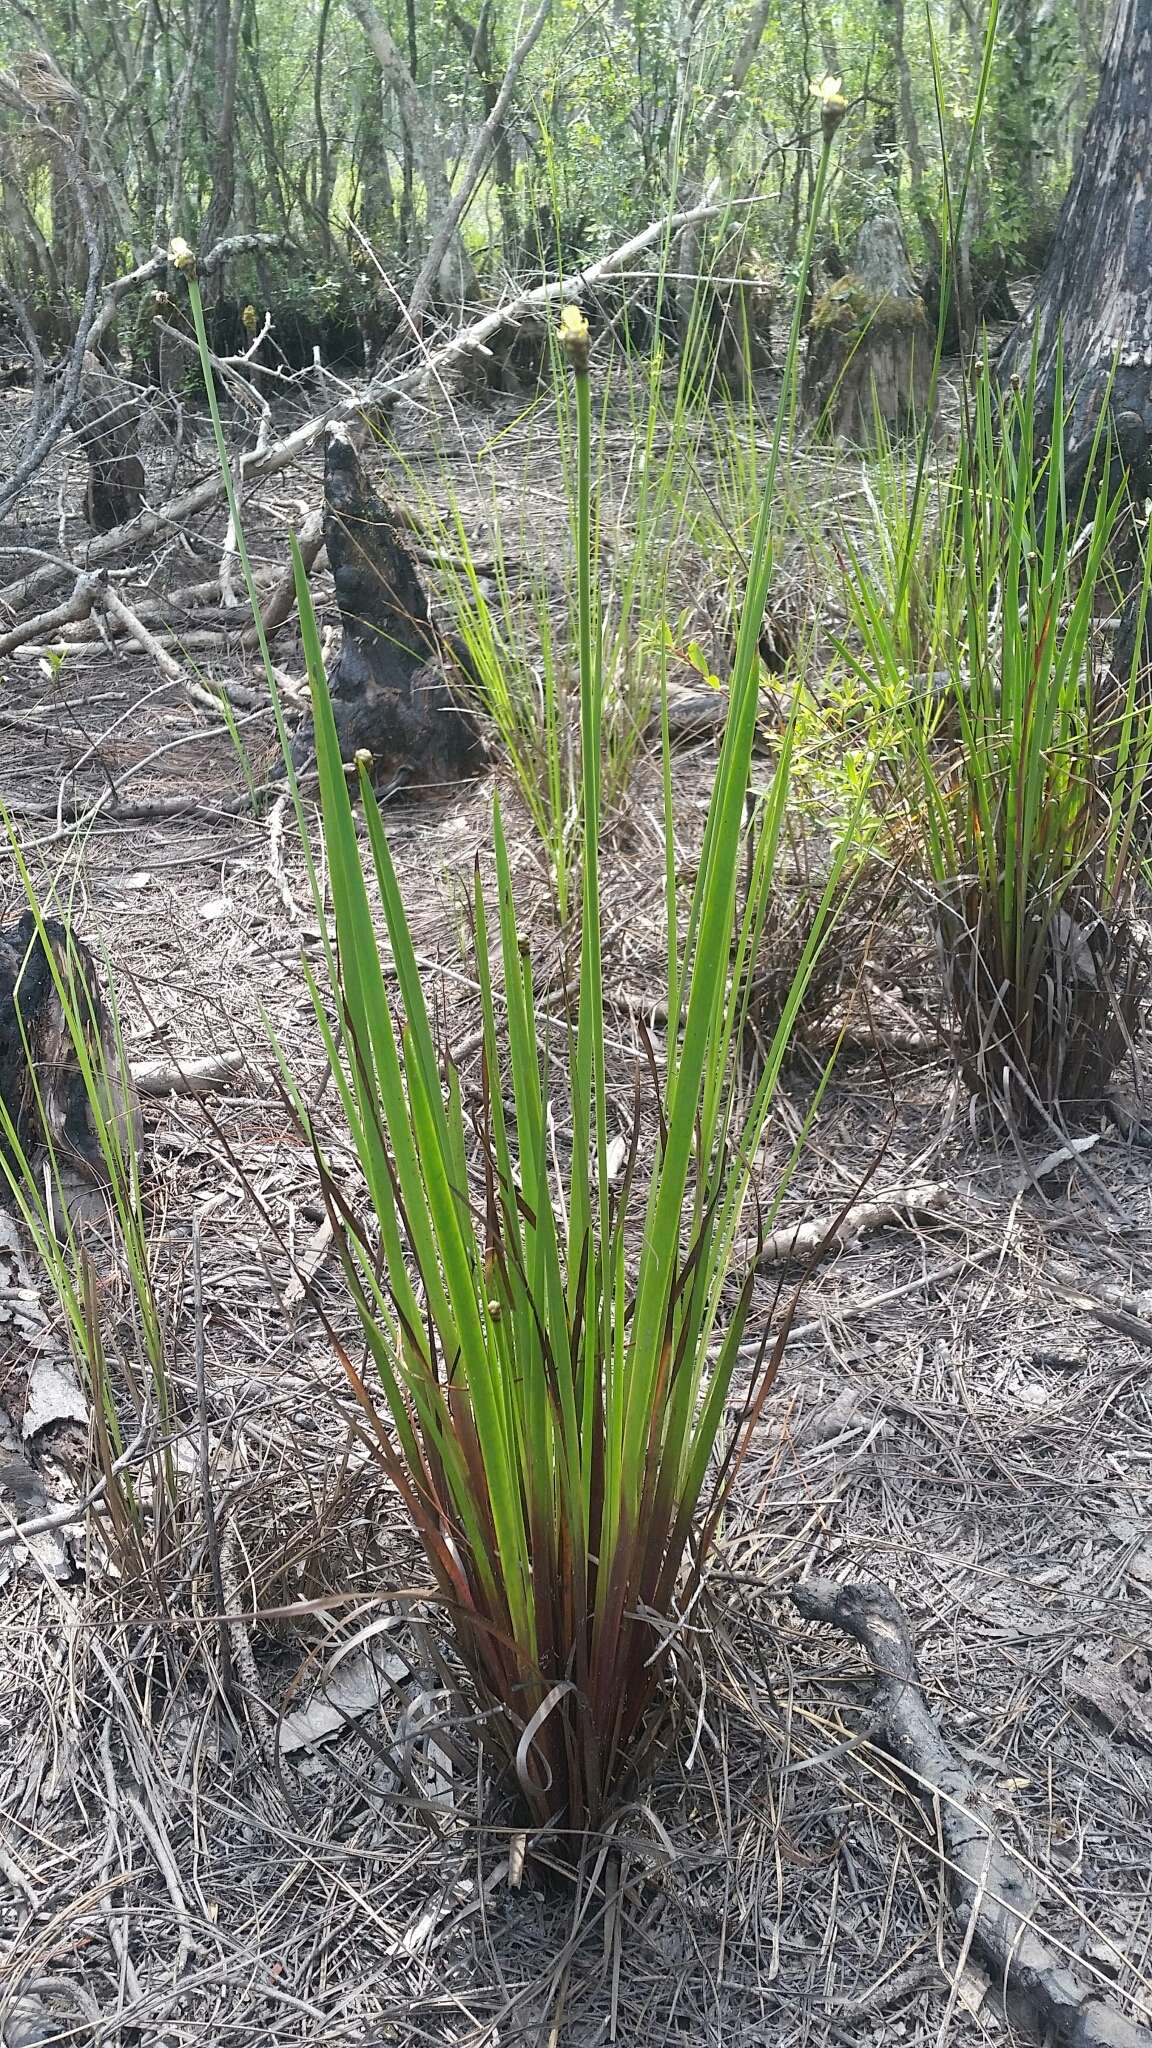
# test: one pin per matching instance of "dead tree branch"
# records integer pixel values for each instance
(383, 387)
(1040, 1988)
(156, 265)
(281, 600)
(78, 606)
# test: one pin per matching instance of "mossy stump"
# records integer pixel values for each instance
(869, 364)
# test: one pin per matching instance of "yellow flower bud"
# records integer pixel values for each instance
(574, 337)
(833, 105)
(251, 319)
(180, 255)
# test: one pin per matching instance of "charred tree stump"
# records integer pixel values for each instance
(50, 996)
(869, 358)
(397, 683)
(108, 429)
(727, 325)
(992, 303)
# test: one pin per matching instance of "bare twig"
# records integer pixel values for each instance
(1040, 1988)
(830, 1233)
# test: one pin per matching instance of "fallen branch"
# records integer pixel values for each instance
(863, 1219)
(157, 264)
(382, 388)
(198, 1076)
(281, 601)
(78, 606)
(63, 1517)
(1040, 1989)
(172, 670)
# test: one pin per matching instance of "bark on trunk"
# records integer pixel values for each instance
(481, 53)
(229, 19)
(107, 428)
(1096, 292)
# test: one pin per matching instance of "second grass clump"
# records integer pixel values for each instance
(1020, 761)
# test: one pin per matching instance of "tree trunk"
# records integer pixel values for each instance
(229, 18)
(107, 424)
(893, 25)
(375, 210)
(49, 991)
(326, 174)
(1096, 294)
(457, 277)
(705, 136)
(1013, 144)
(481, 53)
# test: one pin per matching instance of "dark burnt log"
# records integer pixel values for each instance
(50, 995)
(869, 355)
(108, 429)
(398, 686)
(991, 300)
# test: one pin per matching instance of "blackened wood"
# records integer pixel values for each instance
(398, 686)
(1041, 1989)
(41, 1082)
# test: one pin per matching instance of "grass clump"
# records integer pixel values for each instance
(1019, 778)
(555, 1305)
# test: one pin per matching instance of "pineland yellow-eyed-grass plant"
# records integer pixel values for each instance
(558, 1334)
(1020, 780)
